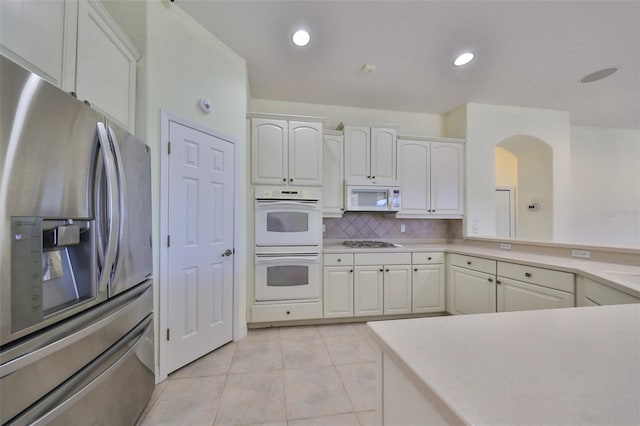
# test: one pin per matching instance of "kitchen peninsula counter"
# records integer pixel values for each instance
(625, 278)
(559, 366)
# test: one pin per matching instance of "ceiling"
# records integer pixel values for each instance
(528, 53)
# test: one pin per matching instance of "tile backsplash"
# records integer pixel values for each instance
(386, 226)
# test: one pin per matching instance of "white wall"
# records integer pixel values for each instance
(181, 63)
(488, 125)
(605, 180)
(506, 168)
(410, 123)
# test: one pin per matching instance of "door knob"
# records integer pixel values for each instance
(227, 252)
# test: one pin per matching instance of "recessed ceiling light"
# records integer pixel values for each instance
(301, 38)
(598, 75)
(463, 59)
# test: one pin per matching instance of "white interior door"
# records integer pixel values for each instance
(505, 213)
(200, 226)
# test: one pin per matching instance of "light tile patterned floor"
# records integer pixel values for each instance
(288, 376)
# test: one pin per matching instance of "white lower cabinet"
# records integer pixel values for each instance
(520, 296)
(338, 291)
(368, 290)
(428, 290)
(592, 293)
(397, 289)
(470, 292)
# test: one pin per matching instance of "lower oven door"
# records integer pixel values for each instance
(285, 276)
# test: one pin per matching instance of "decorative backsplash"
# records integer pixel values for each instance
(385, 226)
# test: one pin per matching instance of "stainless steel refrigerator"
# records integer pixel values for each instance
(76, 301)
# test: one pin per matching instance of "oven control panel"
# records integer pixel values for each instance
(288, 193)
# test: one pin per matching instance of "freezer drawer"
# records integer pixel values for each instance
(111, 390)
(30, 369)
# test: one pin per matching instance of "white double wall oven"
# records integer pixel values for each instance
(288, 224)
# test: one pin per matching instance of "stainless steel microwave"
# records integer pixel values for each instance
(372, 198)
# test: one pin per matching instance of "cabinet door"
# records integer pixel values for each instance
(106, 65)
(269, 151)
(447, 182)
(305, 153)
(338, 291)
(41, 37)
(520, 296)
(413, 176)
(428, 285)
(367, 290)
(383, 156)
(470, 292)
(397, 289)
(357, 155)
(332, 177)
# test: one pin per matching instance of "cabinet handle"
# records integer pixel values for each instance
(468, 262)
(284, 179)
(351, 271)
(428, 258)
(291, 180)
(415, 270)
(387, 270)
(381, 270)
(498, 282)
(373, 177)
(490, 280)
(527, 274)
(368, 177)
(288, 312)
(339, 260)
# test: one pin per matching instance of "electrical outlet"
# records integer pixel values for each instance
(586, 254)
(505, 246)
(402, 228)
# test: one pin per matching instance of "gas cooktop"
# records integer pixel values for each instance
(369, 244)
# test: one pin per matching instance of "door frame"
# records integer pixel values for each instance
(163, 268)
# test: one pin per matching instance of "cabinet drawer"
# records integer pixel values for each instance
(338, 259)
(545, 277)
(427, 258)
(475, 263)
(604, 295)
(286, 312)
(382, 259)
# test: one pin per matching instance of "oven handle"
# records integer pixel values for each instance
(279, 259)
(307, 205)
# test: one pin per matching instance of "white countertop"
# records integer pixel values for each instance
(625, 278)
(560, 366)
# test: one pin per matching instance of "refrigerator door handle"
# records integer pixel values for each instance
(113, 216)
(122, 196)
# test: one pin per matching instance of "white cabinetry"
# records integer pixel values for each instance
(76, 46)
(523, 288)
(428, 283)
(369, 154)
(286, 151)
(41, 37)
(106, 64)
(332, 174)
(382, 284)
(471, 286)
(338, 285)
(430, 173)
(592, 293)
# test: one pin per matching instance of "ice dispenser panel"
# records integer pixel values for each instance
(53, 267)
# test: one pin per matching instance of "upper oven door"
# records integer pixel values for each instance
(287, 223)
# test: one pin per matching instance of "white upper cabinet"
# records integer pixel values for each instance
(76, 46)
(106, 64)
(41, 37)
(369, 155)
(286, 152)
(431, 178)
(332, 175)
